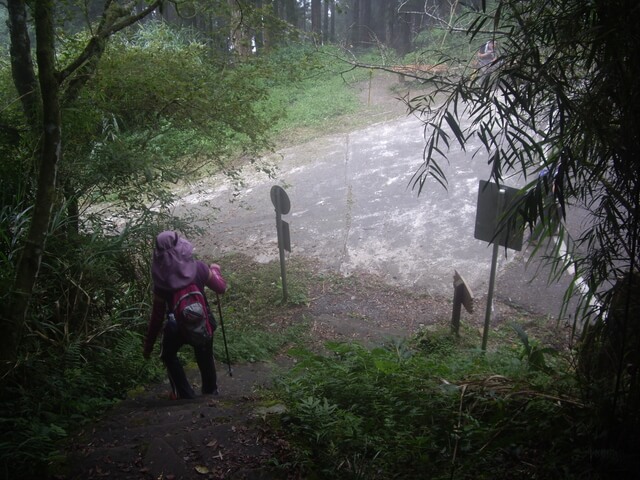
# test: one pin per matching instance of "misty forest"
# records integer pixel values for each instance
(112, 109)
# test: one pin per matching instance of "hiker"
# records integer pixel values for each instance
(548, 180)
(174, 268)
(551, 211)
(486, 54)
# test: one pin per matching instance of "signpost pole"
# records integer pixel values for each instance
(283, 272)
(282, 204)
(492, 278)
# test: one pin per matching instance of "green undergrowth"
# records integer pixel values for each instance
(433, 402)
(436, 403)
(61, 388)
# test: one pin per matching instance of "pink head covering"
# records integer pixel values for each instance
(173, 264)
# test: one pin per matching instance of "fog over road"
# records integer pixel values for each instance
(353, 210)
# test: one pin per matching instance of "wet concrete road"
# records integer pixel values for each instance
(352, 208)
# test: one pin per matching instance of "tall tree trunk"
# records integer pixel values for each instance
(303, 12)
(332, 28)
(169, 13)
(316, 17)
(239, 36)
(325, 22)
(49, 155)
(261, 31)
(354, 26)
(364, 23)
(390, 21)
(291, 12)
(360, 23)
(404, 37)
(24, 76)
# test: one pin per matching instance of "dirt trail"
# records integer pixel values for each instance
(208, 437)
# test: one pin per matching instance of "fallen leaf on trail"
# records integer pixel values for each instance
(201, 469)
(212, 443)
(102, 473)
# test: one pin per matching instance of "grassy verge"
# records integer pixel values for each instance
(258, 324)
(330, 98)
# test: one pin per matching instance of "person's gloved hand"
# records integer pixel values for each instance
(216, 281)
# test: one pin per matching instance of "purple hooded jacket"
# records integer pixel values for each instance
(174, 267)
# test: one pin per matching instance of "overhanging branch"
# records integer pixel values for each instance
(112, 21)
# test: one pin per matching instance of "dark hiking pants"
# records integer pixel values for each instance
(172, 341)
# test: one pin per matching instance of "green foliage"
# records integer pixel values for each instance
(4, 30)
(397, 412)
(438, 45)
(163, 106)
(82, 346)
(559, 108)
(161, 109)
(57, 387)
(532, 352)
(255, 290)
(254, 294)
(15, 154)
(321, 96)
(14, 220)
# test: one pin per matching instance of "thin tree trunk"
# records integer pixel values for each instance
(316, 17)
(240, 40)
(354, 25)
(364, 22)
(24, 77)
(49, 155)
(325, 22)
(332, 28)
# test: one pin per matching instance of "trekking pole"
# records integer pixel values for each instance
(224, 337)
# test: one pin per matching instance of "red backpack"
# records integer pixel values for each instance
(191, 311)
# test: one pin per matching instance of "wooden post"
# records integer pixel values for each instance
(457, 307)
(462, 295)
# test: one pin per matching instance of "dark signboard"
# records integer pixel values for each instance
(489, 212)
(280, 200)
